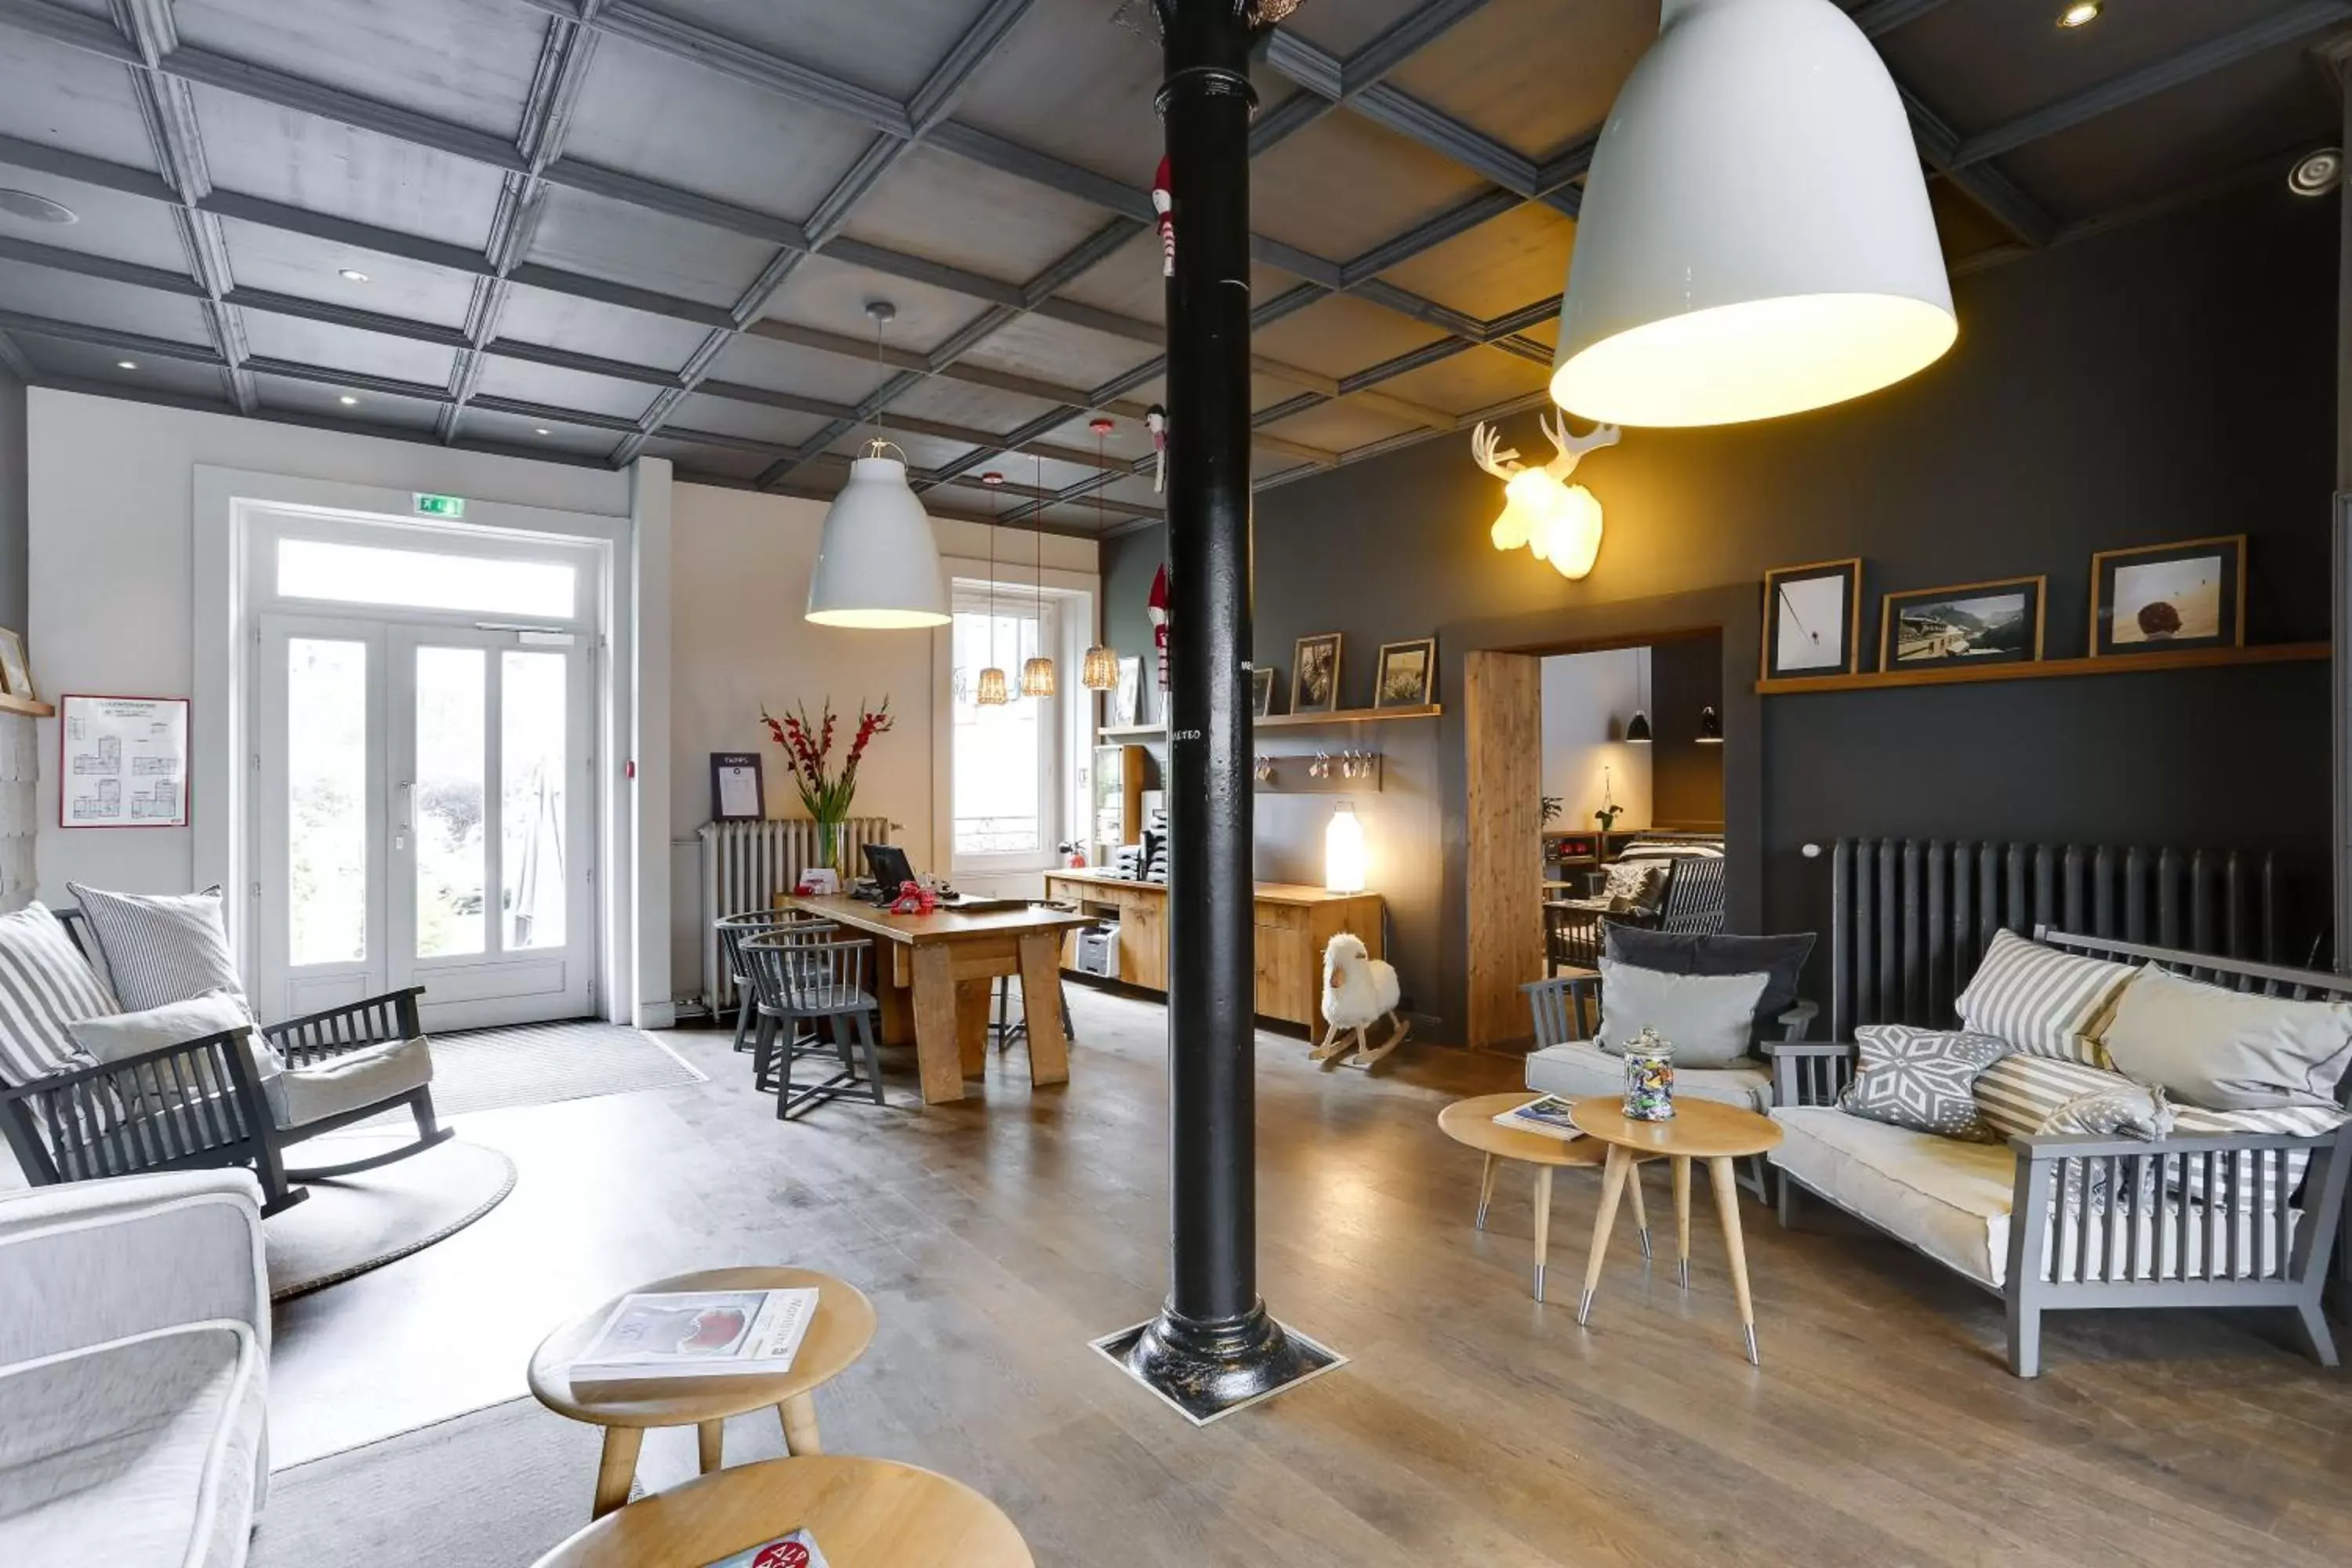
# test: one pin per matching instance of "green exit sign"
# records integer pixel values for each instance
(439, 506)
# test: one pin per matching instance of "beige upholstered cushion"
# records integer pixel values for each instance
(2226, 1050)
(301, 1096)
(2045, 1002)
(1581, 1068)
(1710, 1019)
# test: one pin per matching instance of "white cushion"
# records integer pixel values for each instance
(301, 1096)
(145, 1450)
(1952, 1200)
(1710, 1019)
(161, 947)
(1581, 1068)
(45, 984)
(2045, 1002)
(2226, 1050)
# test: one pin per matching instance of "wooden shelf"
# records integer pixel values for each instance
(1284, 720)
(2052, 669)
(26, 706)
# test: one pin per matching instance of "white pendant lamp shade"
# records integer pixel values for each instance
(877, 564)
(1755, 237)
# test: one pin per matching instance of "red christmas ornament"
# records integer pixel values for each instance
(1155, 610)
(1163, 202)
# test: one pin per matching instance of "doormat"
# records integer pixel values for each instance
(542, 1064)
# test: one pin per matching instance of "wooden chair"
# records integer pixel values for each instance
(810, 977)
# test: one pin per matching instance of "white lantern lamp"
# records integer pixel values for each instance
(1343, 850)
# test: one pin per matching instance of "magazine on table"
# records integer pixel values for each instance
(797, 1550)
(1547, 1116)
(698, 1334)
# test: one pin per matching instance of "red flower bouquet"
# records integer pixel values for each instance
(808, 753)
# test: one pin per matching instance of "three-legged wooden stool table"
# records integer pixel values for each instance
(1471, 1121)
(837, 1335)
(1699, 1129)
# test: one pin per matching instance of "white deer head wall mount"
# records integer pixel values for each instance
(1558, 522)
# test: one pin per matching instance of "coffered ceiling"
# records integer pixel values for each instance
(588, 229)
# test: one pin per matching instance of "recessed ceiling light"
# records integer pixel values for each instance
(348, 401)
(2316, 173)
(2081, 14)
(126, 364)
(38, 208)
(350, 275)
(539, 430)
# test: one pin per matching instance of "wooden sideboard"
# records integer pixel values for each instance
(1293, 923)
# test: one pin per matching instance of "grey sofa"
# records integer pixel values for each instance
(1993, 1214)
(134, 1353)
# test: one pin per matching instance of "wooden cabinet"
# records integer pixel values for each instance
(1293, 925)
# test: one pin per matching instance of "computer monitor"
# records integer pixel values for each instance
(887, 865)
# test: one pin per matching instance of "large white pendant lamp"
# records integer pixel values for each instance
(1755, 239)
(877, 565)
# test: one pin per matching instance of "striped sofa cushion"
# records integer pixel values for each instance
(2041, 1001)
(44, 985)
(2018, 1095)
(161, 948)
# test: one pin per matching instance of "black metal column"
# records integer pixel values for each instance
(1214, 1346)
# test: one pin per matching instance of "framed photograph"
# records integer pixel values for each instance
(1129, 692)
(2161, 596)
(1262, 689)
(1315, 674)
(1813, 619)
(1408, 674)
(737, 792)
(122, 762)
(15, 670)
(1972, 623)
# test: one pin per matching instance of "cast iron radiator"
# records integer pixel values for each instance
(1909, 918)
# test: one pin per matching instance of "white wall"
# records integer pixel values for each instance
(1587, 698)
(740, 566)
(110, 514)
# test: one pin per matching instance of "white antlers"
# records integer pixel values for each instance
(1502, 464)
(1572, 448)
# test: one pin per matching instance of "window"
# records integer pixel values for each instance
(1007, 773)
(484, 584)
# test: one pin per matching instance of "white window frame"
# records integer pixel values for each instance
(1053, 751)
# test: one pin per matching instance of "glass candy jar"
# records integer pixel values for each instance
(1649, 1078)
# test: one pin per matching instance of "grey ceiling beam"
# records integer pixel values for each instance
(111, 338)
(1427, 236)
(2273, 31)
(13, 360)
(1991, 189)
(1404, 38)
(565, 50)
(170, 116)
(1876, 18)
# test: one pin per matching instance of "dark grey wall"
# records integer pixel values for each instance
(1685, 776)
(2166, 380)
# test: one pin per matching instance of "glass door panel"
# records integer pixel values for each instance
(326, 726)
(448, 800)
(533, 764)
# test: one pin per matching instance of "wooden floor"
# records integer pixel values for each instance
(1473, 1426)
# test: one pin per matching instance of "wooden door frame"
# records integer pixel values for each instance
(1502, 723)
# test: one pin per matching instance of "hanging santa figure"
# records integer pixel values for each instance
(1155, 419)
(1163, 202)
(1155, 610)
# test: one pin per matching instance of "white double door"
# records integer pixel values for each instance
(424, 818)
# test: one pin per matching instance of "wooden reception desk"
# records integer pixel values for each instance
(1293, 923)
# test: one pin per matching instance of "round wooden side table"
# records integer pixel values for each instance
(837, 1335)
(858, 1511)
(1699, 1129)
(1471, 1122)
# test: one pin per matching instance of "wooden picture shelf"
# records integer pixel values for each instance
(2051, 668)
(1285, 721)
(26, 706)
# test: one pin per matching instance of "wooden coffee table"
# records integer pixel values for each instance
(1699, 1129)
(861, 1511)
(837, 1335)
(1471, 1122)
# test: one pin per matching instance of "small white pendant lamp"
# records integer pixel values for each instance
(877, 565)
(1756, 239)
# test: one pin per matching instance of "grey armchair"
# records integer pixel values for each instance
(134, 1354)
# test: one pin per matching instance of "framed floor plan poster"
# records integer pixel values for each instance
(122, 762)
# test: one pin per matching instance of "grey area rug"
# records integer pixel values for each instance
(497, 1488)
(540, 1063)
(350, 1225)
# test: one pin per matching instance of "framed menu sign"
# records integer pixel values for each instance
(122, 762)
(736, 791)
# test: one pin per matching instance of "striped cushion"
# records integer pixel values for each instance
(2041, 1001)
(44, 985)
(2017, 1095)
(161, 948)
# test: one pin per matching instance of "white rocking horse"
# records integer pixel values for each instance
(1358, 990)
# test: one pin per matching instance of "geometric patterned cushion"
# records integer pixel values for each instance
(44, 985)
(2043, 1001)
(1921, 1078)
(161, 948)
